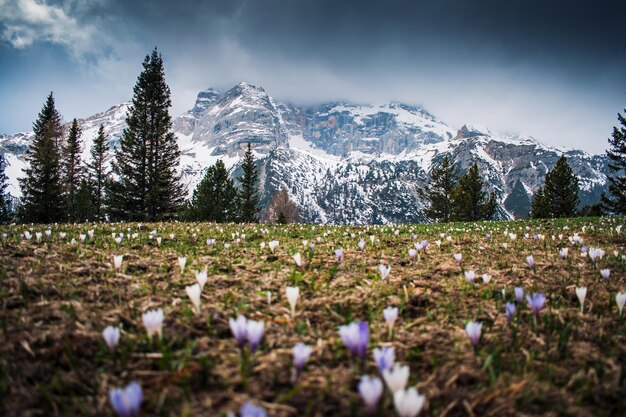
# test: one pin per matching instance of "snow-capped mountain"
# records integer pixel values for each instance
(341, 162)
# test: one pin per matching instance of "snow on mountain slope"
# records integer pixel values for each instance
(340, 162)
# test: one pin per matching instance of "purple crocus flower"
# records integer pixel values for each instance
(239, 328)
(254, 333)
(472, 328)
(519, 294)
(384, 357)
(251, 410)
(339, 254)
(126, 401)
(356, 337)
(488, 235)
(536, 302)
(301, 354)
(509, 310)
(530, 261)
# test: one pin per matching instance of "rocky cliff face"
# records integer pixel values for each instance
(340, 162)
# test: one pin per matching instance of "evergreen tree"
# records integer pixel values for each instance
(5, 199)
(84, 208)
(443, 179)
(539, 208)
(561, 190)
(41, 186)
(147, 185)
(215, 198)
(616, 201)
(559, 195)
(98, 174)
(469, 201)
(71, 169)
(248, 193)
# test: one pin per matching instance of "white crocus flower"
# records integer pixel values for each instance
(396, 378)
(581, 293)
(117, 261)
(182, 261)
(408, 403)
(194, 292)
(293, 293)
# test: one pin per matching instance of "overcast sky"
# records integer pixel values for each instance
(555, 70)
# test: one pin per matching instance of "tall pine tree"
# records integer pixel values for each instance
(249, 194)
(98, 174)
(5, 199)
(71, 175)
(41, 187)
(469, 201)
(215, 199)
(559, 195)
(147, 185)
(616, 201)
(443, 178)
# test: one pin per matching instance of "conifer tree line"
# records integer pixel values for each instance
(142, 183)
(458, 198)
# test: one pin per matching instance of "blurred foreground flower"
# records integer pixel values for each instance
(301, 354)
(356, 337)
(153, 322)
(370, 389)
(194, 293)
(251, 410)
(536, 302)
(384, 357)
(509, 310)
(408, 402)
(396, 378)
(126, 401)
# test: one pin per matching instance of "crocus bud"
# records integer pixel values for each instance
(111, 337)
(620, 299)
(293, 293)
(117, 262)
(182, 261)
(297, 258)
(473, 328)
(384, 271)
(201, 278)
(301, 353)
(194, 292)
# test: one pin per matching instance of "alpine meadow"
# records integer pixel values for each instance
(346, 242)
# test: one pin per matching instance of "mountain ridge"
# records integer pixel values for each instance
(343, 162)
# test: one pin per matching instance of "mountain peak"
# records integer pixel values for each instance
(470, 130)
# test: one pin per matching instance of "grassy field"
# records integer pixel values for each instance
(58, 294)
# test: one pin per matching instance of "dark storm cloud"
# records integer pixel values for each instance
(553, 69)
